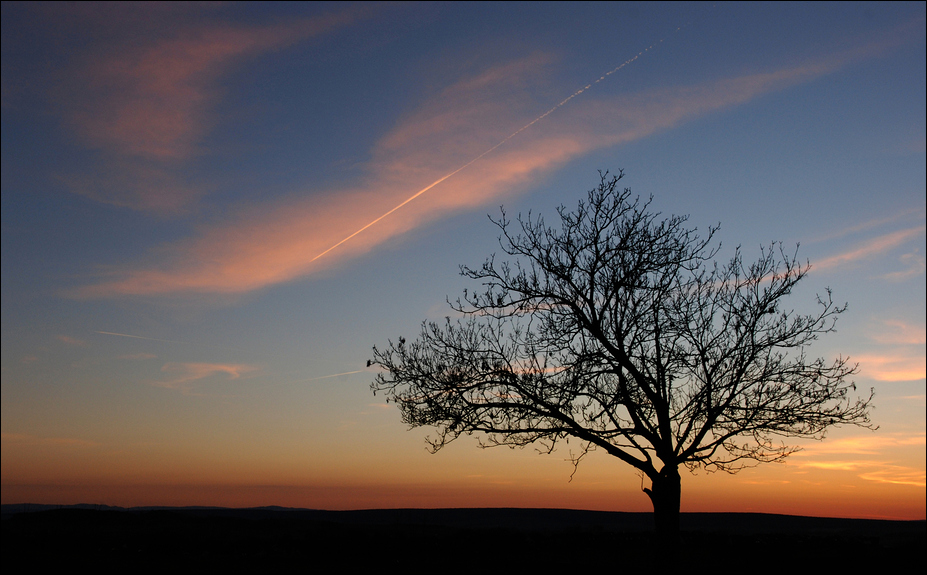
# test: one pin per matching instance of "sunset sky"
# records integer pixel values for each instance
(205, 231)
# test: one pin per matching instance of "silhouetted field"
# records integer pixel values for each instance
(158, 540)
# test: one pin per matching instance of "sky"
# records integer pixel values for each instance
(212, 212)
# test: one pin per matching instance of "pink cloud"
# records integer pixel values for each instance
(877, 471)
(869, 224)
(862, 444)
(871, 248)
(188, 373)
(146, 101)
(897, 475)
(893, 367)
(73, 341)
(138, 184)
(151, 101)
(914, 264)
(901, 332)
(273, 244)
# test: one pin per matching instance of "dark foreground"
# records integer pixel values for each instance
(190, 540)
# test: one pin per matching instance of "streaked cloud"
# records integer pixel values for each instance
(877, 471)
(914, 264)
(900, 332)
(872, 247)
(146, 104)
(72, 341)
(898, 475)
(893, 367)
(151, 101)
(881, 470)
(837, 465)
(869, 224)
(870, 444)
(186, 374)
(766, 482)
(137, 184)
(900, 357)
(267, 245)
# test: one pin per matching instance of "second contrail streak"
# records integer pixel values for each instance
(140, 337)
(506, 139)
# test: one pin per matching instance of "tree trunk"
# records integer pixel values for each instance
(665, 495)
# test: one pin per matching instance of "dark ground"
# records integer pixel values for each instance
(155, 540)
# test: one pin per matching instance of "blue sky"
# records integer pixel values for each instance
(193, 176)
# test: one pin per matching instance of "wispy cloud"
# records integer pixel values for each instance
(867, 225)
(263, 246)
(766, 482)
(897, 475)
(837, 465)
(914, 264)
(870, 444)
(151, 101)
(881, 470)
(870, 248)
(893, 367)
(146, 104)
(900, 332)
(72, 341)
(186, 374)
(877, 471)
(900, 357)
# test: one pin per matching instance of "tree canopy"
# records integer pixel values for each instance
(619, 329)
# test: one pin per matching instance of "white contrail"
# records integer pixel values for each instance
(140, 337)
(168, 340)
(334, 375)
(506, 139)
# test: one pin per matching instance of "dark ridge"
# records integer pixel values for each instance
(105, 539)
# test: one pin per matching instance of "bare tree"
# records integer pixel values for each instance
(619, 330)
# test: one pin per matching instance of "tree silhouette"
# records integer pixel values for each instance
(618, 329)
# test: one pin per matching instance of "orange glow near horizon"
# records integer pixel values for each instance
(810, 498)
(807, 484)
